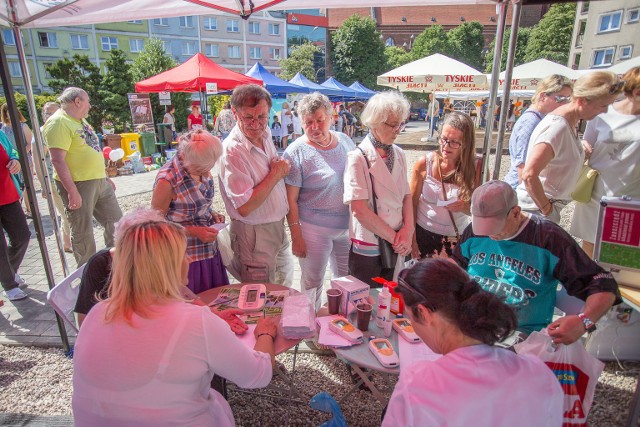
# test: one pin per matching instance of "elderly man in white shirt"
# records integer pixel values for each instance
(253, 191)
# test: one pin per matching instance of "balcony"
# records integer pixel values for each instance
(579, 40)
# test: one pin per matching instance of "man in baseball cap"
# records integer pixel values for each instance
(522, 257)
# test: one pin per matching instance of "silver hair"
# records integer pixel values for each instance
(136, 217)
(310, 103)
(200, 149)
(382, 106)
(46, 107)
(70, 94)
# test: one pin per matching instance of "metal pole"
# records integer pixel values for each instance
(506, 86)
(28, 179)
(493, 91)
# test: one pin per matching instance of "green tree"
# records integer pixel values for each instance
(117, 83)
(551, 37)
(521, 47)
(21, 103)
(79, 72)
(154, 60)
(466, 42)
(396, 56)
(357, 52)
(300, 60)
(432, 40)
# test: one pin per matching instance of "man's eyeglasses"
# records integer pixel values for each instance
(452, 144)
(397, 127)
(561, 99)
(262, 121)
(616, 87)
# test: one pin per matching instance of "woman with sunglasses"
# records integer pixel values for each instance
(441, 187)
(614, 138)
(472, 382)
(555, 155)
(552, 92)
(379, 167)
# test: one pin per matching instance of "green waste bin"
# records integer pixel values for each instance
(147, 143)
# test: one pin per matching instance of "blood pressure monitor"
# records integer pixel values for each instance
(252, 297)
(383, 351)
(342, 327)
(404, 328)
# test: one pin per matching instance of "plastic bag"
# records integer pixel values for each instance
(226, 252)
(576, 370)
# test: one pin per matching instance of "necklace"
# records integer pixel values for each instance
(324, 145)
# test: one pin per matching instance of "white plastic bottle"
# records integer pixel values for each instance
(384, 306)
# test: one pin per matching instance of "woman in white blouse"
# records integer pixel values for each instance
(145, 358)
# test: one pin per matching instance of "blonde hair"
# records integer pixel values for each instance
(595, 85)
(6, 119)
(382, 106)
(147, 265)
(464, 175)
(550, 85)
(631, 81)
(200, 148)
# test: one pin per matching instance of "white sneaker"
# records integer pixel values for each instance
(20, 281)
(15, 294)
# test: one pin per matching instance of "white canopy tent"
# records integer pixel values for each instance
(623, 67)
(527, 76)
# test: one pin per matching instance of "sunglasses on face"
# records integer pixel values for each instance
(561, 99)
(616, 87)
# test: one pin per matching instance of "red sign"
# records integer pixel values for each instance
(621, 226)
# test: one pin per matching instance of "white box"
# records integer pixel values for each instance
(353, 291)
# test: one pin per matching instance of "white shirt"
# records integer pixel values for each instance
(477, 386)
(560, 175)
(242, 167)
(158, 371)
(390, 188)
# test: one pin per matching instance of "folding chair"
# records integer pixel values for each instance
(64, 295)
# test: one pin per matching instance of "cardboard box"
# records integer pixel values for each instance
(353, 291)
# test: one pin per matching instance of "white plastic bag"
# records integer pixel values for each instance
(226, 253)
(576, 370)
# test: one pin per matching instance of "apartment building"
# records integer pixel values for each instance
(605, 33)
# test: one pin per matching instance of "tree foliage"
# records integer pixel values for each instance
(79, 72)
(300, 60)
(396, 57)
(466, 42)
(432, 40)
(21, 103)
(154, 60)
(551, 37)
(521, 47)
(357, 52)
(117, 83)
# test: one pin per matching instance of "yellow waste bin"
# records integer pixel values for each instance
(130, 143)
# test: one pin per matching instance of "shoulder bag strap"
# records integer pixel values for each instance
(444, 197)
(373, 190)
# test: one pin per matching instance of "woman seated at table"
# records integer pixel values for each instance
(145, 358)
(473, 383)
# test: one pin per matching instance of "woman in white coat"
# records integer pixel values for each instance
(384, 172)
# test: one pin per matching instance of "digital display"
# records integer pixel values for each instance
(381, 345)
(251, 295)
(404, 324)
(341, 323)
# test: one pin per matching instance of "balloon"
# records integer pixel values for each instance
(106, 151)
(116, 154)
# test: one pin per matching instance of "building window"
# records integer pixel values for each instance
(633, 15)
(576, 61)
(233, 52)
(211, 24)
(186, 21)
(610, 22)
(47, 40)
(389, 42)
(189, 48)
(211, 50)
(109, 43)
(14, 69)
(135, 21)
(8, 37)
(254, 27)
(232, 26)
(274, 29)
(46, 66)
(255, 53)
(626, 51)
(585, 7)
(166, 46)
(603, 57)
(79, 41)
(163, 22)
(274, 52)
(136, 45)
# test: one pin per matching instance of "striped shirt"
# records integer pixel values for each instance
(192, 205)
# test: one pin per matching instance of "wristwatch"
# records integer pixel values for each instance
(588, 324)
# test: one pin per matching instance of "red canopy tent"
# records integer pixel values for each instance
(192, 76)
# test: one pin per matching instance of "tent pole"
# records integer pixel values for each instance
(506, 86)
(22, 151)
(493, 91)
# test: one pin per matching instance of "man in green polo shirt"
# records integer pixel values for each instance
(80, 174)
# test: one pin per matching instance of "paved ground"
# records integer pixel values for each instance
(32, 321)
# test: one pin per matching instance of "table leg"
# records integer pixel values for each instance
(364, 379)
(634, 407)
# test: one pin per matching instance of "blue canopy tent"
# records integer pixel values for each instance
(359, 87)
(349, 94)
(301, 80)
(273, 84)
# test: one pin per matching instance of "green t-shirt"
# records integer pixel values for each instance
(84, 157)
